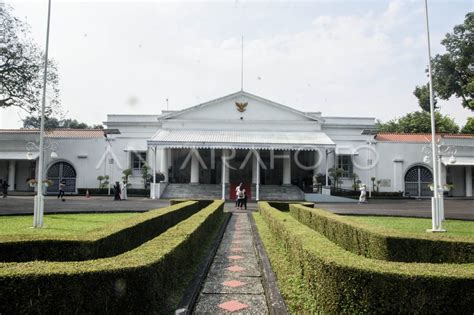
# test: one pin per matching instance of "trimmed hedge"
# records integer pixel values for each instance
(285, 206)
(105, 242)
(202, 203)
(141, 281)
(345, 283)
(377, 243)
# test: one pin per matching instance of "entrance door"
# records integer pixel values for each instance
(60, 171)
(417, 181)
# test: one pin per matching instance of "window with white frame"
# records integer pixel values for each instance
(345, 162)
(138, 159)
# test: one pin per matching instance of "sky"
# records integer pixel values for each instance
(342, 58)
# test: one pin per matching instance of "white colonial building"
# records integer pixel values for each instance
(206, 150)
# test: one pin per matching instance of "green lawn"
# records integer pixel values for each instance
(418, 226)
(59, 224)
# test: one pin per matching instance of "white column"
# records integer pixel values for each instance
(257, 188)
(194, 170)
(254, 168)
(398, 182)
(316, 158)
(226, 176)
(326, 167)
(153, 164)
(164, 164)
(287, 168)
(468, 170)
(11, 175)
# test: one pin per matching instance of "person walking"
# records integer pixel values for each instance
(62, 186)
(5, 189)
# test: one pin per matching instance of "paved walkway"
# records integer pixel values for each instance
(234, 281)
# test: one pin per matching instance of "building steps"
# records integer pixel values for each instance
(197, 191)
(214, 191)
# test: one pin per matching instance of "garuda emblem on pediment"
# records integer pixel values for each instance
(241, 107)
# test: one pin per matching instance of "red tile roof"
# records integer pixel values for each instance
(61, 133)
(418, 137)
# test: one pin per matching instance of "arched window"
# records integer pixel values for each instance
(62, 171)
(417, 181)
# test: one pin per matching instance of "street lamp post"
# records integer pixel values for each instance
(438, 186)
(39, 199)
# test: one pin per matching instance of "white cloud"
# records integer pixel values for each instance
(341, 64)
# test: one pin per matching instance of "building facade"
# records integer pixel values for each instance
(277, 152)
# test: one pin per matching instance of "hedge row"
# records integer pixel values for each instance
(202, 203)
(345, 283)
(141, 281)
(285, 206)
(377, 243)
(108, 241)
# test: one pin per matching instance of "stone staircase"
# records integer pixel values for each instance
(208, 191)
(196, 191)
(277, 192)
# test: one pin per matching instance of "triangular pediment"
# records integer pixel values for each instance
(240, 105)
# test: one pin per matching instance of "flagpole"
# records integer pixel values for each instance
(436, 200)
(242, 67)
(38, 210)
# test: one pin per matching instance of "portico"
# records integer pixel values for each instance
(249, 157)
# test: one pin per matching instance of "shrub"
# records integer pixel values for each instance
(108, 241)
(141, 281)
(377, 243)
(343, 282)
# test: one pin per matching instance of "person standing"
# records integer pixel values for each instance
(244, 200)
(5, 189)
(237, 189)
(240, 199)
(363, 194)
(117, 191)
(123, 194)
(62, 186)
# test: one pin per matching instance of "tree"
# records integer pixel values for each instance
(419, 122)
(146, 175)
(469, 126)
(33, 122)
(21, 68)
(422, 93)
(453, 72)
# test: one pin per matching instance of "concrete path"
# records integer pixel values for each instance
(234, 281)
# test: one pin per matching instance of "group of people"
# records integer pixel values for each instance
(120, 191)
(241, 197)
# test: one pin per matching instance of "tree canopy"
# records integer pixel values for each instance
(469, 126)
(453, 72)
(21, 67)
(419, 122)
(33, 122)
